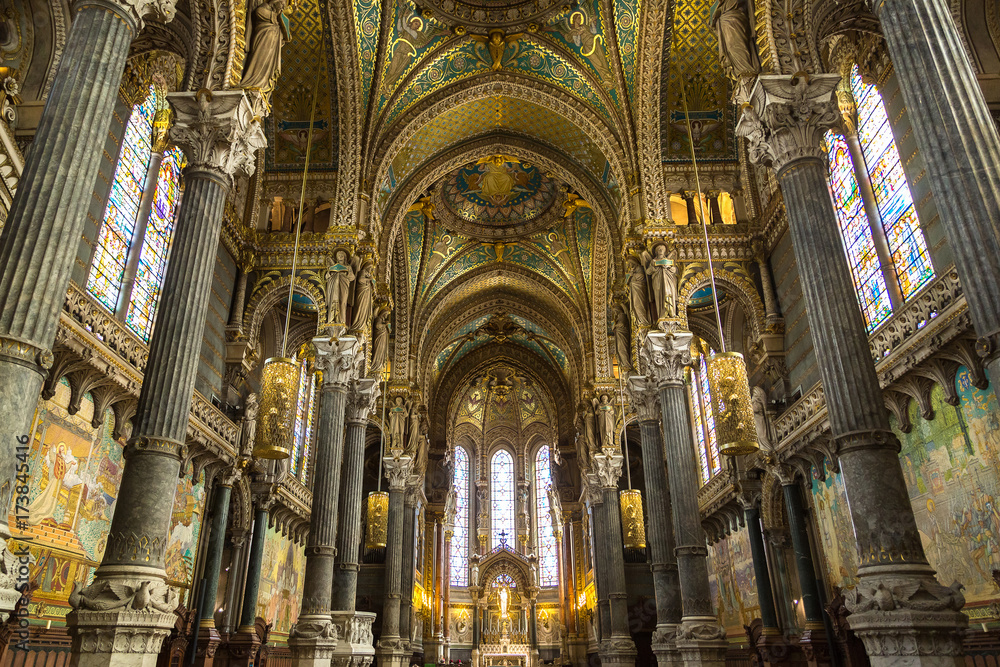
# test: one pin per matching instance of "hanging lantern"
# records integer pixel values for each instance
(278, 401)
(633, 525)
(730, 389)
(378, 520)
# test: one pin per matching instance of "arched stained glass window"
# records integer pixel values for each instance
(502, 498)
(892, 193)
(133, 244)
(706, 443)
(548, 560)
(304, 415)
(856, 232)
(459, 556)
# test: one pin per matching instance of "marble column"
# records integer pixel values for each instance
(446, 602)
(770, 638)
(814, 641)
(713, 206)
(208, 636)
(700, 638)
(617, 647)
(219, 132)
(360, 400)
(248, 610)
(392, 649)
(47, 217)
(899, 609)
(594, 501)
(313, 638)
(771, 310)
(235, 580)
(689, 203)
(411, 505)
(645, 399)
(958, 139)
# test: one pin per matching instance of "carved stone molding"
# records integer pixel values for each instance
(361, 398)
(787, 117)
(218, 131)
(644, 397)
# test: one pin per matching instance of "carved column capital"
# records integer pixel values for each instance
(787, 116)
(608, 469)
(219, 131)
(397, 471)
(138, 10)
(666, 355)
(361, 397)
(644, 398)
(229, 476)
(339, 359)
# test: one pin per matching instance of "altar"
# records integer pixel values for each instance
(506, 597)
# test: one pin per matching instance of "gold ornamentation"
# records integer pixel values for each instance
(279, 391)
(633, 524)
(730, 389)
(378, 520)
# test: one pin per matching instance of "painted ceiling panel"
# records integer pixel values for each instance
(411, 37)
(627, 30)
(367, 20)
(584, 33)
(585, 223)
(414, 245)
(304, 59)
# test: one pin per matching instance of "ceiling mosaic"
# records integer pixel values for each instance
(503, 396)
(306, 58)
(694, 59)
(474, 119)
(497, 190)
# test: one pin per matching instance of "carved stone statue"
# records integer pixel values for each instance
(248, 425)
(606, 420)
(339, 277)
(397, 423)
(663, 276)
(269, 32)
(361, 298)
(450, 506)
(590, 430)
(638, 293)
(623, 340)
(737, 54)
(380, 340)
(759, 403)
(413, 439)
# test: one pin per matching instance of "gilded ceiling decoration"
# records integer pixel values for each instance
(503, 395)
(497, 190)
(304, 59)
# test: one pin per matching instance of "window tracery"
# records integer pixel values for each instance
(548, 562)
(459, 553)
(502, 494)
(709, 461)
(304, 416)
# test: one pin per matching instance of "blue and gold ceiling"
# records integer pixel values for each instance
(504, 396)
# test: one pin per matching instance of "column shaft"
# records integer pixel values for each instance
(803, 555)
(961, 149)
(409, 545)
(48, 211)
(349, 536)
(615, 564)
(765, 596)
(393, 565)
(213, 557)
(249, 609)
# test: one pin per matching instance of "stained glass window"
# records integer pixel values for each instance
(125, 241)
(115, 239)
(856, 232)
(892, 193)
(304, 411)
(502, 498)
(548, 560)
(156, 245)
(706, 443)
(459, 556)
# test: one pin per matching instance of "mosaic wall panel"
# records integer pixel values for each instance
(733, 582)
(281, 575)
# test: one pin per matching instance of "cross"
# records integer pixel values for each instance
(503, 538)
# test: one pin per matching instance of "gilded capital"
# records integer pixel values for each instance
(218, 131)
(787, 116)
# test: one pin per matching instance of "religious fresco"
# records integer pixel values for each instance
(281, 578)
(627, 14)
(498, 189)
(582, 32)
(412, 36)
(733, 582)
(951, 466)
(75, 473)
(367, 16)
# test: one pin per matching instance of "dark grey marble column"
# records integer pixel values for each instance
(248, 612)
(48, 212)
(700, 638)
(216, 544)
(599, 542)
(785, 123)
(393, 649)
(617, 647)
(134, 556)
(235, 580)
(345, 576)
(410, 507)
(958, 139)
(313, 637)
(765, 594)
(645, 399)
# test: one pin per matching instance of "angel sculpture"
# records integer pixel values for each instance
(339, 277)
(497, 44)
(589, 429)
(450, 506)
(605, 410)
(638, 291)
(662, 274)
(574, 202)
(425, 206)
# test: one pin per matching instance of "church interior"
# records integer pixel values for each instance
(501, 333)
